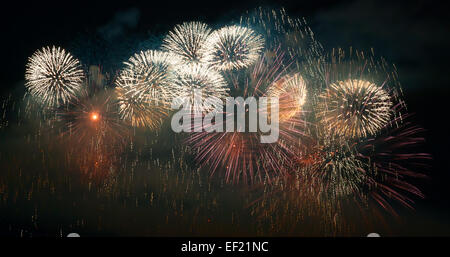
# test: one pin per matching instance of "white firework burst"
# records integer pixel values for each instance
(189, 78)
(188, 41)
(144, 87)
(354, 108)
(234, 47)
(53, 76)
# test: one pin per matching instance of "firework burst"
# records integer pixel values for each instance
(342, 135)
(337, 167)
(392, 159)
(234, 47)
(188, 78)
(361, 135)
(241, 155)
(91, 120)
(354, 108)
(92, 132)
(53, 76)
(187, 41)
(144, 88)
(291, 92)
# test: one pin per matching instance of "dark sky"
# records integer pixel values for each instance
(412, 34)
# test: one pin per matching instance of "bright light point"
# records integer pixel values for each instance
(94, 116)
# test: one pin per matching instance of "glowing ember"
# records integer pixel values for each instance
(94, 116)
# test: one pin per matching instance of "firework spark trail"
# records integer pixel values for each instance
(291, 34)
(188, 41)
(144, 88)
(393, 159)
(53, 76)
(233, 47)
(337, 178)
(281, 29)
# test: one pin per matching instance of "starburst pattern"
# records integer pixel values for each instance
(234, 47)
(53, 76)
(355, 108)
(188, 41)
(144, 88)
(189, 78)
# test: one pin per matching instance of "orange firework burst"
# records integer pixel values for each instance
(90, 127)
(92, 117)
(291, 92)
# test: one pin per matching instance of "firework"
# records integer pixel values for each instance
(150, 71)
(362, 139)
(377, 168)
(92, 118)
(240, 155)
(144, 88)
(187, 41)
(291, 92)
(342, 136)
(393, 159)
(291, 34)
(337, 167)
(92, 135)
(281, 29)
(188, 78)
(234, 47)
(91, 131)
(355, 108)
(53, 76)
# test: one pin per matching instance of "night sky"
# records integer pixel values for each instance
(414, 35)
